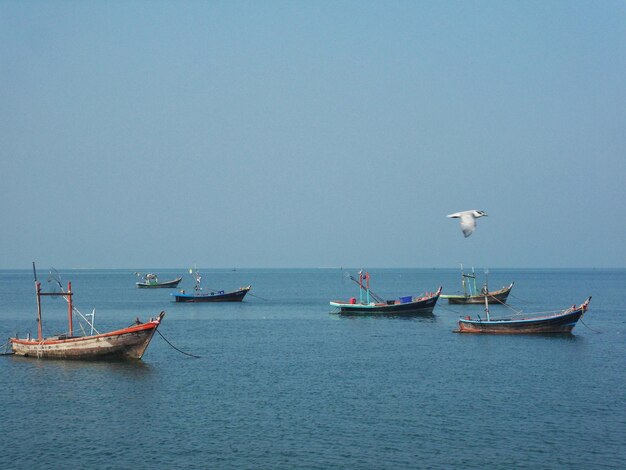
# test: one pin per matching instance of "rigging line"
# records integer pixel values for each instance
(6, 347)
(372, 294)
(56, 278)
(518, 312)
(182, 352)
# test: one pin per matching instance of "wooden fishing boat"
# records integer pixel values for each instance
(198, 294)
(563, 321)
(493, 297)
(126, 343)
(152, 280)
(471, 295)
(371, 304)
(219, 296)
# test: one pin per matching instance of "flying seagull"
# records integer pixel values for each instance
(468, 220)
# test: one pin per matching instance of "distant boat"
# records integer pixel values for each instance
(470, 293)
(219, 296)
(126, 343)
(563, 321)
(152, 280)
(371, 304)
(198, 294)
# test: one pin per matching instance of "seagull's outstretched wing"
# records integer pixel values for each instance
(468, 224)
(468, 221)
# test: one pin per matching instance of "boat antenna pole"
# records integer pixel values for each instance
(474, 277)
(70, 309)
(360, 287)
(197, 276)
(39, 327)
(38, 291)
(463, 281)
(486, 294)
(367, 282)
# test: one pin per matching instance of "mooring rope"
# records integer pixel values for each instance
(595, 331)
(449, 309)
(258, 296)
(182, 352)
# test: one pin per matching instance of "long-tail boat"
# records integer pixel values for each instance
(152, 280)
(562, 321)
(371, 304)
(126, 343)
(219, 296)
(471, 295)
(199, 295)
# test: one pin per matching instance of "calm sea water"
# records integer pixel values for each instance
(282, 383)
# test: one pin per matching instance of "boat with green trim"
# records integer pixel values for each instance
(471, 295)
(371, 304)
(152, 281)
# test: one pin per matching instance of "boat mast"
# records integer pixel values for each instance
(486, 294)
(487, 307)
(364, 287)
(463, 282)
(474, 277)
(37, 291)
(39, 327)
(467, 284)
(68, 297)
(70, 308)
(197, 276)
(360, 287)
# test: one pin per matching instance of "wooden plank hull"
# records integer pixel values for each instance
(127, 343)
(563, 322)
(235, 296)
(421, 306)
(168, 284)
(494, 297)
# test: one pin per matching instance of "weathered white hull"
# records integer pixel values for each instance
(128, 343)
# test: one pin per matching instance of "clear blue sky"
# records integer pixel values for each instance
(312, 134)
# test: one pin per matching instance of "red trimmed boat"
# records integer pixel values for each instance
(563, 321)
(126, 343)
(371, 304)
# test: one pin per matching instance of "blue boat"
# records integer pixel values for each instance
(198, 294)
(563, 321)
(219, 296)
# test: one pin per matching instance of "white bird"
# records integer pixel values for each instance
(468, 220)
